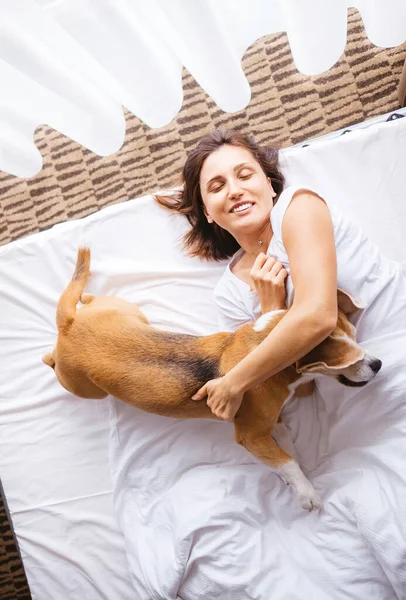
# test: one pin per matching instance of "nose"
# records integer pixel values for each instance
(234, 189)
(376, 365)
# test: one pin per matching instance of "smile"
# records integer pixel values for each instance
(241, 207)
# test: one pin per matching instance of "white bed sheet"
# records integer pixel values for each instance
(54, 447)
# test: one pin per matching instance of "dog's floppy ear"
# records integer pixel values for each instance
(335, 353)
(302, 366)
(330, 357)
(347, 303)
(312, 362)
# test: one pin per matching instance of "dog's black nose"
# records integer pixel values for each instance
(376, 365)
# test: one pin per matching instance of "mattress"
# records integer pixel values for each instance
(61, 457)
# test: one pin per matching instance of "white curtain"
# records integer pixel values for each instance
(73, 64)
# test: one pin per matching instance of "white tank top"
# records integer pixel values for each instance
(362, 272)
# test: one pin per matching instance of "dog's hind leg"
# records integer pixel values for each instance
(86, 298)
(253, 431)
(264, 447)
(282, 437)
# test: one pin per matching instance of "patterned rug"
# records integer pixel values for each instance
(285, 108)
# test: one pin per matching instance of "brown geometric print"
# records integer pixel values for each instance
(286, 107)
(13, 583)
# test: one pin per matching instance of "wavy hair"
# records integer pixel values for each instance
(208, 240)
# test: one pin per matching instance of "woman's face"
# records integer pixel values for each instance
(236, 193)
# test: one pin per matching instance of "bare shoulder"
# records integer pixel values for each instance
(307, 209)
(304, 196)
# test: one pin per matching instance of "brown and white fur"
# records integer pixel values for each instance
(108, 347)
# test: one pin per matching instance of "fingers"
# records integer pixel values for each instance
(262, 265)
(275, 269)
(200, 394)
(259, 261)
(221, 402)
(281, 276)
(221, 406)
(267, 268)
(271, 265)
(222, 411)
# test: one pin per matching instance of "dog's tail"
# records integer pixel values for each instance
(66, 309)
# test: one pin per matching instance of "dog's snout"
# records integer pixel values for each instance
(376, 365)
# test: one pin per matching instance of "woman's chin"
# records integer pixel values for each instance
(251, 224)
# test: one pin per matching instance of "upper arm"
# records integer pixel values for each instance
(308, 236)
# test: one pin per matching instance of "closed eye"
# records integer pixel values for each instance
(217, 188)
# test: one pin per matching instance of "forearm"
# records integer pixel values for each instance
(294, 336)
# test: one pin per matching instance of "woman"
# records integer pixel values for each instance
(349, 440)
(234, 199)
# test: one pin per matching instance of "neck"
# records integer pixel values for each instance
(254, 244)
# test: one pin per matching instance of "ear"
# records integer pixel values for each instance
(347, 304)
(330, 357)
(302, 366)
(206, 214)
(273, 193)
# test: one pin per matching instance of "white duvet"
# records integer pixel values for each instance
(203, 518)
(200, 518)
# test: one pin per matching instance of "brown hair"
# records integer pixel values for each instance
(207, 240)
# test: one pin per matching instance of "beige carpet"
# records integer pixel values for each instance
(285, 108)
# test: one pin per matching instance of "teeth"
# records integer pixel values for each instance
(242, 207)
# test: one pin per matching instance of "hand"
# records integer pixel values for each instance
(221, 399)
(268, 276)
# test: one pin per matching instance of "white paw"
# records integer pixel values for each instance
(292, 475)
(308, 499)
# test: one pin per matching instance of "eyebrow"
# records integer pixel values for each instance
(235, 169)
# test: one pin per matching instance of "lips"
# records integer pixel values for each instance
(241, 206)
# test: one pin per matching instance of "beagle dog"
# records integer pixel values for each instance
(109, 347)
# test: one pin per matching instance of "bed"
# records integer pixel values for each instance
(111, 503)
